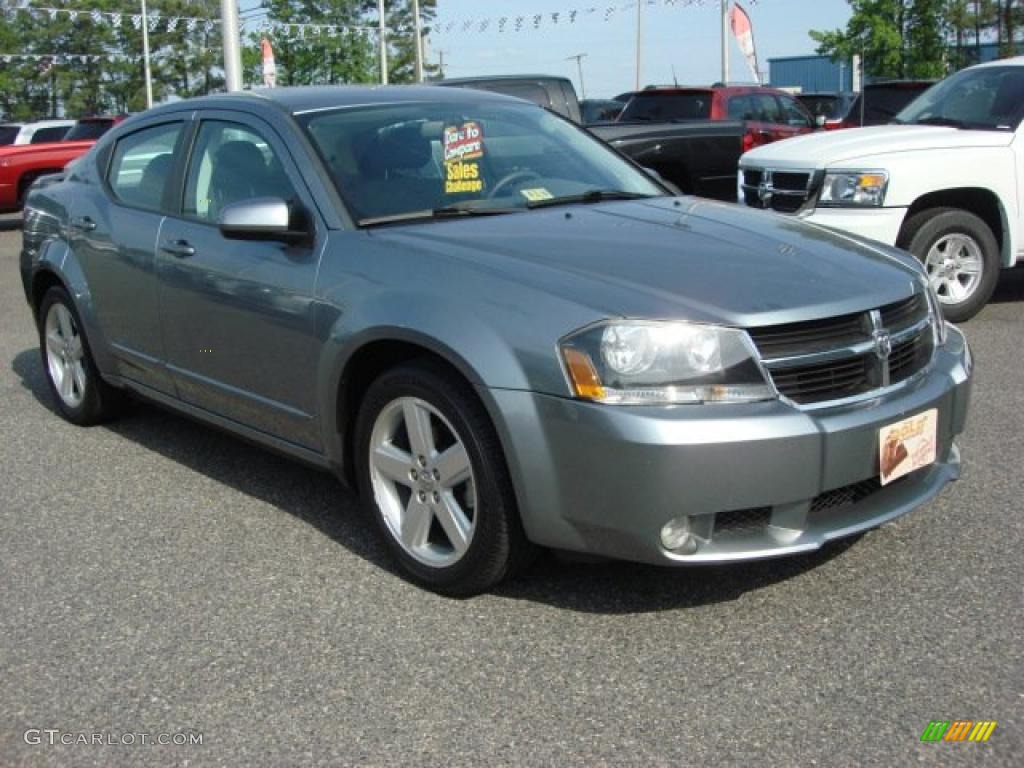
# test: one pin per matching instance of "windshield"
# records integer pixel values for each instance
(987, 98)
(831, 107)
(88, 129)
(401, 160)
(694, 105)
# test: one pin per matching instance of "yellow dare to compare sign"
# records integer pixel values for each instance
(462, 177)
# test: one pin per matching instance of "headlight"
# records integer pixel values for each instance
(853, 188)
(633, 362)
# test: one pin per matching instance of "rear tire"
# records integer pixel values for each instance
(961, 256)
(78, 390)
(432, 474)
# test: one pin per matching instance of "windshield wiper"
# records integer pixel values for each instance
(447, 212)
(590, 196)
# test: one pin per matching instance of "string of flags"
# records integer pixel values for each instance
(535, 21)
(63, 58)
(160, 22)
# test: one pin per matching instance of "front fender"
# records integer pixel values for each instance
(487, 357)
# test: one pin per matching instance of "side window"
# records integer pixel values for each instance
(48, 134)
(740, 108)
(767, 108)
(792, 114)
(141, 165)
(231, 162)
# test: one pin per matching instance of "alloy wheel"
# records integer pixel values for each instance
(954, 264)
(422, 481)
(65, 355)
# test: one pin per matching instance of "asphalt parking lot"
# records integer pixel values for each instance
(157, 576)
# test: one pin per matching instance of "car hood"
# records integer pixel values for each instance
(682, 258)
(51, 147)
(827, 149)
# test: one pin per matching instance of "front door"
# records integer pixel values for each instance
(237, 315)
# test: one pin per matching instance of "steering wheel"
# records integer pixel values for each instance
(511, 178)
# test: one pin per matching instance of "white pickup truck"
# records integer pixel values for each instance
(944, 181)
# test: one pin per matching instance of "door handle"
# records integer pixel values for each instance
(83, 223)
(179, 248)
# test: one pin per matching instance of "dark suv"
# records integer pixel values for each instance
(770, 114)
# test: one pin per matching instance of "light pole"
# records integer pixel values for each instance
(145, 57)
(383, 43)
(579, 67)
(639, 33)
(418, 31)
(725, 42)
(232, 49)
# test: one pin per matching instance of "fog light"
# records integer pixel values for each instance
(676, 536)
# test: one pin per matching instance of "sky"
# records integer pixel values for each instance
(686, 37)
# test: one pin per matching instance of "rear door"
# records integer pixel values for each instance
(113, 231)
(238, 314)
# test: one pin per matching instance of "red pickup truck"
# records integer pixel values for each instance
(23, 164)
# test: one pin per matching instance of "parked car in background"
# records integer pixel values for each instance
(696, 159)
(770, 114)
(829, 108)
(501, 331)
(600, 110)
(880, 102)
(22, 164)
(556, 93)
(38, 132)
(944, 181)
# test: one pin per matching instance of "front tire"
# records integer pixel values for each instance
(78, 390)
(431, 473)
(961, 256)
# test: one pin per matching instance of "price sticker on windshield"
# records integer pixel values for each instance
(535, 194)
(907, 445)
(463, 149)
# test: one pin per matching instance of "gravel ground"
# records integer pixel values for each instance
(157, 576)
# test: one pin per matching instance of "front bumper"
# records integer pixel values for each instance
(881, 224)
(757, 480)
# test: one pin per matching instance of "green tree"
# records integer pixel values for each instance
(925, 50)
(309, 57)
(875, 32)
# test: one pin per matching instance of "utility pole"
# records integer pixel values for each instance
(639, 37)
(579, 66)
(418, 31)
(232, 49)
(440, 63)
(725, 42)
(383, 43)
(145, 57)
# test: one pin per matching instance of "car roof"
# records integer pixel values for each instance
(312, 98)
(488, 78)
(1013, 61)
(49, 123)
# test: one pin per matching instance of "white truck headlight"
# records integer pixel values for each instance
(853, 189)
(644, 362)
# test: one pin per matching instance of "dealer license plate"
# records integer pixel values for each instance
(907, 445)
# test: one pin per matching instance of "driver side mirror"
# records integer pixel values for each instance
(263, 218)
(819, 121)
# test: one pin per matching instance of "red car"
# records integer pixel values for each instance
(770, 114)
(21, 165)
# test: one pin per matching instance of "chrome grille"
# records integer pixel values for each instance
(783, 191)
(849, 355)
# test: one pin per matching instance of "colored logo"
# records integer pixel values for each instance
(958, 730)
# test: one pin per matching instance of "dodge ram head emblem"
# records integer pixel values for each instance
(883, 344)
(765, 189)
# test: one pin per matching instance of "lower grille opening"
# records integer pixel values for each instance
(848, 494)
(740, 521)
